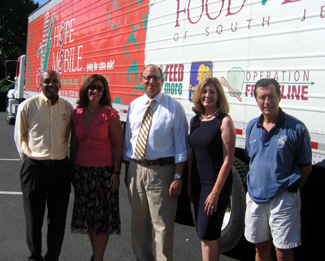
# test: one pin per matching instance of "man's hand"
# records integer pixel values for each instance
(175, 188)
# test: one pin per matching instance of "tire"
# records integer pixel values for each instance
(10, 121)
(234, 220)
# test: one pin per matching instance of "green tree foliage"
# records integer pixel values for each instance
(5, 86)
(13, 38)
(13, 30)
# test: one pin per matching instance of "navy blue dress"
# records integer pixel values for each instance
(206, 143)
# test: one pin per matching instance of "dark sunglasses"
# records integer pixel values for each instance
(95, 87)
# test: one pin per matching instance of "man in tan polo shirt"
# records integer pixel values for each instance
(41, 135)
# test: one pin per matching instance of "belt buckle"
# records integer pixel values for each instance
(48, 163)
(144, 162)
(153, 162)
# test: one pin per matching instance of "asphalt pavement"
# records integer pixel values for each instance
(76, 247)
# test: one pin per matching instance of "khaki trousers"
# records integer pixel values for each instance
(151, 210)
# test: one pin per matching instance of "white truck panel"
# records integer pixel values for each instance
(259, 39)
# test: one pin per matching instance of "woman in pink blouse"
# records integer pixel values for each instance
(96, 151)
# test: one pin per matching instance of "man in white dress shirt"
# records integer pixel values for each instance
(154, 181)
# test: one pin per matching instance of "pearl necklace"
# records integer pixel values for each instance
(209, 116)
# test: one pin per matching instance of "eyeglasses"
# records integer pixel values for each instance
(95, 87)
(148, 78)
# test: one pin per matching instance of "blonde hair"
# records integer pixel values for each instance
(222, 103)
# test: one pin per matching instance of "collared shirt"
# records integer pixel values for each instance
(275, 156)
(42, 130)
(168, 131)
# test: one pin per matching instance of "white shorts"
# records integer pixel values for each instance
(278, 219)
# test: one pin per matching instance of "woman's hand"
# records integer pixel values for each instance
(114, 182)
(211, 203)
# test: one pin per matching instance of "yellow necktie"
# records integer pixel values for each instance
(140, 147)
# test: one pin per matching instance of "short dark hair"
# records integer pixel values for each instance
(83, 92)
(266, 82)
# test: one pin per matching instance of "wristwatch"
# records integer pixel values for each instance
(177, 176)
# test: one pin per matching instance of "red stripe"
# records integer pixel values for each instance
(314, 145)
(239, 131)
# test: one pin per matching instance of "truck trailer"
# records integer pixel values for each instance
(238, 41)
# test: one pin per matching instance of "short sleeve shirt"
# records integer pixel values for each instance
(275, 156)
(95, 147)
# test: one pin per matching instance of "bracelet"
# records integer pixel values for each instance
(116, 172)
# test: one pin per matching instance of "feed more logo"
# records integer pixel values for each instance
(173, 76)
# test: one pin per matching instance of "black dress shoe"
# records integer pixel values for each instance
(35, 258)
(92, 258)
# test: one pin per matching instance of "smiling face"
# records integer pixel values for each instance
(209, 97)
(268, 100)
(50, 85)
(151, 81)
(95, 94)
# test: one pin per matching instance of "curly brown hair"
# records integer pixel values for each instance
(222, 103)
(83, 92)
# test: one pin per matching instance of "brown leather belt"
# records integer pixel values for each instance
(160, 161)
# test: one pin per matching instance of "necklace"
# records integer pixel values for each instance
(93, 110)
(209, 116)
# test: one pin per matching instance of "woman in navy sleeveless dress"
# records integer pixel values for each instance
(212, 141)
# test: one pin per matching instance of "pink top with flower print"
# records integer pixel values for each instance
(95, 147)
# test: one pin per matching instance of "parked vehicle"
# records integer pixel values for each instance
(16, 95)
(239, 42)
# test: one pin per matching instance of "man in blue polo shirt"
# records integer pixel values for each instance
(279, 149)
